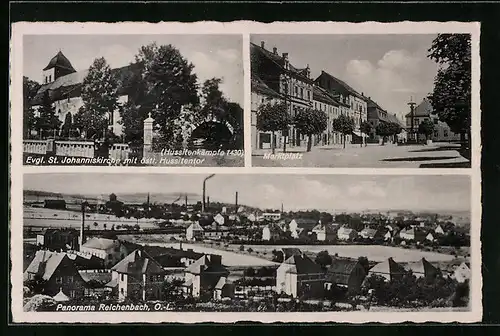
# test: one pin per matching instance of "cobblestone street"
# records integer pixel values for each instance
(437, 155)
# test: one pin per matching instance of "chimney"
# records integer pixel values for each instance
(208, 201)
(82, 228)
(275, 51)
(215, 259)
(180, 245)
(285, 59)
(285, 56)
(262, 44)
(308, 71)
(236, 202)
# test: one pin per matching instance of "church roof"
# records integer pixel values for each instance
(60, 61)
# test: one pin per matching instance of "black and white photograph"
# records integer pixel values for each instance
(246, 243)
(351, 100)
(133, 100)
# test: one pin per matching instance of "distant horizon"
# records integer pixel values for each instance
(268, 191)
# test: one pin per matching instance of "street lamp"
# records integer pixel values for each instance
(204, 191)
(412, 112)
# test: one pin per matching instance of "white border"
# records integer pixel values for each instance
(243, 28)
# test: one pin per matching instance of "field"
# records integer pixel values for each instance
(41, 217)
(373, 252)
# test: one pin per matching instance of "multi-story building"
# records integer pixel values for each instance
(323, 101)
(424, 111)
(294, 84)
(299, 275)
(111, 251)
(357, 102)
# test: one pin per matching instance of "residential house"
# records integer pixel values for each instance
(388, 269)
(293, 83)
(439, 230)
(288, 252)
(219, 219)
(58, 239)
(423, 269)
(412, 234)
(272, 232)
(326, 103)
(345, 273)
(462, 273)
(223, 289)
(194, 232)
(111, 250)
(325, 232)
(369, 233)
(376, 116)
(403, 135)
(58, 272)
(388, 235)
(424, 111)
(346, 234)
(299, 275)
(301, 226)
(357, 102)
(204, 275)
(271, 216)
(64, 85)
(430, 237)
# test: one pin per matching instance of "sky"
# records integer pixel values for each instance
(212, 55)
(389, 68)
(322, 192)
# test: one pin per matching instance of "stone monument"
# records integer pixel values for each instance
(148, 136)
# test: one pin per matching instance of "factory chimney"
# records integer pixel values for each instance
(186, 201)
(236, 203)
(82, 228)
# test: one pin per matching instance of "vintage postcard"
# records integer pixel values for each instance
(225, 172)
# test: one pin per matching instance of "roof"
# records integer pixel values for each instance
(302, 264)
(422, 268)
(258, 86)
(369, 232)
(393, 118)
(340, 270)
(45, 263)
(345, 230)
(195, 227)
(207, 264)
(100, 243)
(138, 262)
(321, 95)
(342, 86)
(60, 61)
(327, 228)
(305, 223)
(424, 109)
(60, 297)
(274, 228)
(98, 277)
(221, 283)
(388, 267)
(290, 251)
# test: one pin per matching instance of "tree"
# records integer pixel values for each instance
(426, 128)
(344, 125)
(168, 83)
(366, 128)
(273, 118)
(67, 127)
(30, 89)
(451, 97)
(323, 259)
(171, 289)
(100, 100)
(363, 261)
(47, 122)
(394, 130)
(310, 122)
(384, 130)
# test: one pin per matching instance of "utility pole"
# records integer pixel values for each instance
(203, 204)
(412, 116)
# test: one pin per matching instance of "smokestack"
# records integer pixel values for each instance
(180, 245)
(203, 204)
(208, 201)
(275, 51)
(82, 228)
(236, 202)
(186, 201)
(281, 207)
(262, 44)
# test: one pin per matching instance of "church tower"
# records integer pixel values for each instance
(58, 66)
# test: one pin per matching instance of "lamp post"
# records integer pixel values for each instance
(412, 113)
(203, 205)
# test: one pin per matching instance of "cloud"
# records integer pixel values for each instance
(391, 80)
(117, 55)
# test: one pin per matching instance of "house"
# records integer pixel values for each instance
(194, 232)
(346, 234)
(439, 230)
(111, 250)
(167, 256)
(325, 102)
(369, 233)
(56, 204)
(299, 275)
(58, 272)
(299, 226)
(271, 216)
(325, 232)
(345, 273)
(272, 232)
(430, 237)
(202, 277)
(275, 71)
(138, 276)
(64, 86)
(388, 269)
(423, 269)
(288, 252)
(412, 234)
(59, 239)
(462, 273)
(388, 236)
(219, 219)
(223, 289)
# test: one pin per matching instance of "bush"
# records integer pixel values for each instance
(40, 303)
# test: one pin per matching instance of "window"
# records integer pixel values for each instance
(436, 121)
(436, 134)
(50, 78)
(302, 93)
(110, 256)
(59, 280)
(72, 293)
(308, 95)
(315, 105)
(121, 290)
(69, 99)
(122, 277)
(70, 279)
(296, 91)
(445, 133)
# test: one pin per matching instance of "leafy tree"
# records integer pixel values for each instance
(323, 259)
(171, 289)
(250, 271)
(344, 125)
(36, 285)
(384, 130)
(326, 217)
(451, 97)
(30, 89)
(366, 128)
(100, 100)
(273, 118)
(426, 128)
(47, 122)
(168, 83)
(363, 261)
(67, 127)
(310, 122)
(394, 130)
